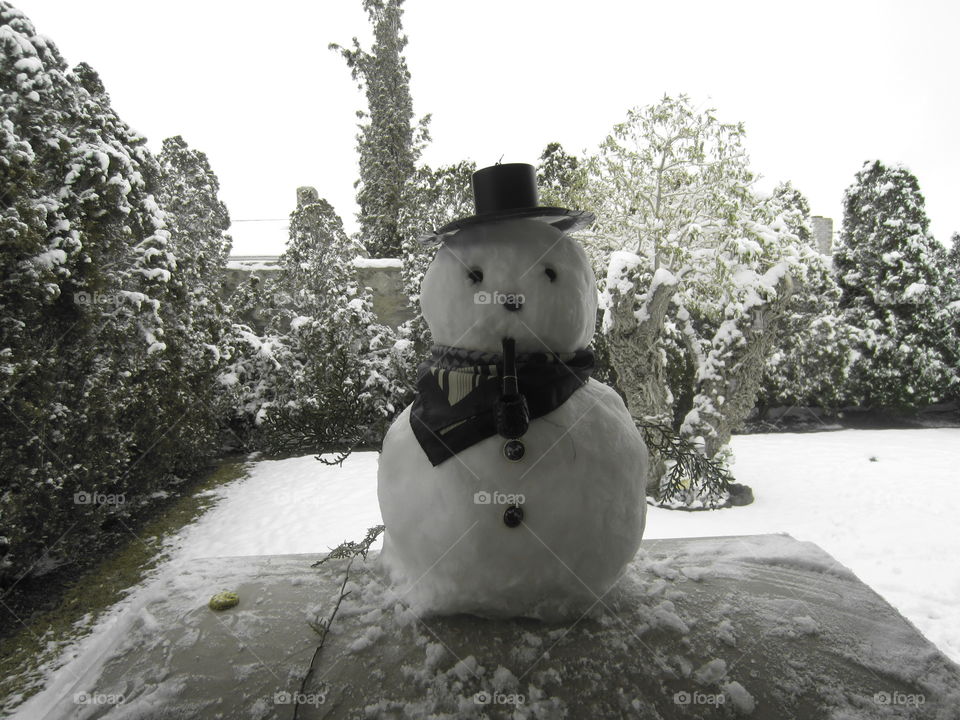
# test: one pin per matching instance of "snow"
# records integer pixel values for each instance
(288, 506)
(915, 289)
(711, 672)
(891, 521)
(299, 321)
(621, 262)
(662, 276)
(741, 699)
(252, 265)
(512, 260)
(362, 262)
(51, 258)
(161, 274)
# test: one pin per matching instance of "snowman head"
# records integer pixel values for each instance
(518, 278)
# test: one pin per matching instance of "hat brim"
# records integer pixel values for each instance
(560, 218)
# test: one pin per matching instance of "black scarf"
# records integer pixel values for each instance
(457, 390)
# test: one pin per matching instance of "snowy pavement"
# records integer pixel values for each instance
(882, 502)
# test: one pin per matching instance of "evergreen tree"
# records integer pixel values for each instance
(434, 198)
(815, 347)
(562, 178)
(325, 374)
(346, 360)
(388, 144)
(891, 275)
(954, 254)
(94, 333)
(953, 273)
(197, 221)
(953, 295)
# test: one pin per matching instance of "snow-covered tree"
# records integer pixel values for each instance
(325, 372)
(435, 197)
(953, 256)
(388, 143)
(197, 221)
(94, 327)
(891, 272)
(562, 178)
(813, 353)
(696, 285)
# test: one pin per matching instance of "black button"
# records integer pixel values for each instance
(513, 516)
(513, 450)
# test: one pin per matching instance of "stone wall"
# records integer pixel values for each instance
(382, 276)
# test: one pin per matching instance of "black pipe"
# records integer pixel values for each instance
(512, 413)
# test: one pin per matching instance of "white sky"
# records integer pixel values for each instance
(820, 86)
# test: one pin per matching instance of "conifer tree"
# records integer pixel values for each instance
(891, 274)
(435, 197)
(94, 328)
(814, 350)
(325, 374)
(562, 179)
(388, 143)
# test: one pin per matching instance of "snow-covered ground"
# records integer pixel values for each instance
(882, 502)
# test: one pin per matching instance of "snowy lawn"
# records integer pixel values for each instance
(882, 502)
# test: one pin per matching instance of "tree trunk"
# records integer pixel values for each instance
(635, 353)
(730, 377)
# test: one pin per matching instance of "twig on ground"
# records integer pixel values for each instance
(321, 627)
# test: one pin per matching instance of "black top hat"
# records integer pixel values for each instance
(508, 192)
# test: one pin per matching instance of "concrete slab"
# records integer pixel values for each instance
(759, 626)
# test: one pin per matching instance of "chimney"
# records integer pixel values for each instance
(823, 234)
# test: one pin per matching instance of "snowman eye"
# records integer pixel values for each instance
(475, 275)
(551, 273)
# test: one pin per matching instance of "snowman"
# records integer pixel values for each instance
(514, 483)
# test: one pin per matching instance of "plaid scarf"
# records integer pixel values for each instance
(457, 390)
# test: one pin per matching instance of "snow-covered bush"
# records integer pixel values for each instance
(325, 373)
(108, 346)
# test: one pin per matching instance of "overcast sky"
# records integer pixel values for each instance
(820, 86)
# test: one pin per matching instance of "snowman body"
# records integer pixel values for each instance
(580, 482)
